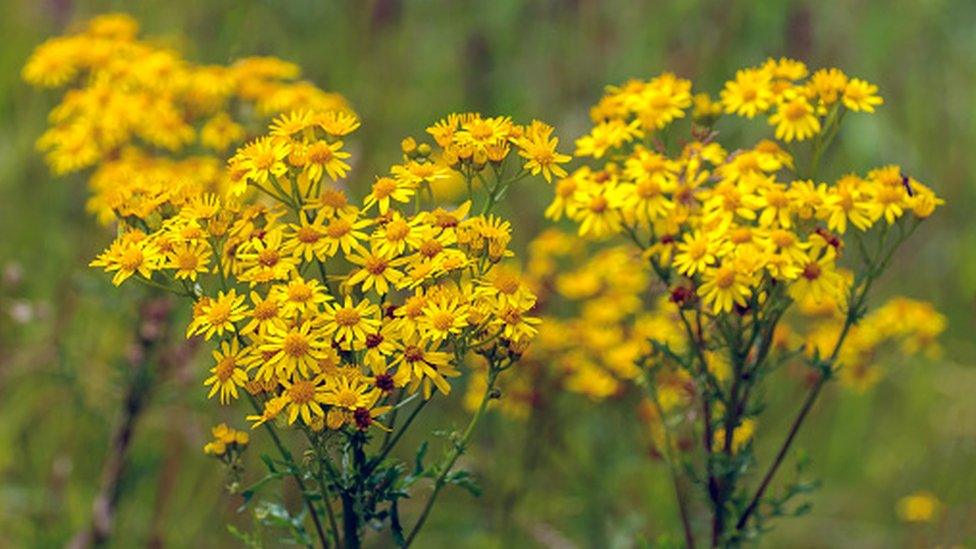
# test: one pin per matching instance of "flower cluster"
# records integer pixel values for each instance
(709, 267)
(226, 442)
(324, 309)
(154, 125)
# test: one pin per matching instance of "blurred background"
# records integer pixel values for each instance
(65, 333)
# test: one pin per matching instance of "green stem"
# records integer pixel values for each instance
(286, 456)
(459, 447)
(672, 470)
(327, 497)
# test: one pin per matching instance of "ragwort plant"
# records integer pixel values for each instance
(717, 266)
(342, 321)
(337, 321)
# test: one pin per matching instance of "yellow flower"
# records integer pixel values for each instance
(307, 238)
(189, 259)
(828, 84)
(289, 349)
(794, 118)
(227, 374)
(217, 315)
(128, 257)
(386, 189)
(343, 233)
(337, 122)
(377, 270)
(598, 212)
(351, 392)
(819, 281)
(861, 96)
(696, 252)
(304, 397)
(263, 159)
(539, 150)
(267, 312)
(722, 287)
(300, 297)
(749, 94)
(922, 506)
(417, 365)
(326, 157)
(442, 316)
(349, 324)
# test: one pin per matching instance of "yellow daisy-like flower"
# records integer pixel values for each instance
(443, 316)
(217, 315)
(296, 348)
(337, 122)
(418, 365)
(350, 323)
(300, 297)
(794, 119)
(861, 96)
(189, 259)
(267, 312)
(696, 252)
(263, 159)
(343, 232)
(387, 189)
(307, 238)
(351, 393)
(304, 397)
(722, 287)
(128, 257)
(749, 94)
(326, 157)
(377, 269)
(399, 233)
(819, 281)
(540, 153)
(227, 374)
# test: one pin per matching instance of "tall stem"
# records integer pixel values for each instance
(459, 447)
(286, 455)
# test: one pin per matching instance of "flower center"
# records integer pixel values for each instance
(320, 153)
(724, 278)
(795, 110)
(334, 199)
(132, 259)
(295, 345)
(302, 391)
(375, 265)
(347, 316)
(413, 353)
(268, 257)
(265, 310)
(338, 228)
(225, 368)
(397, 230)
(431, 248)
(308, 235)
(187, 261)
(347, 398)
(219, 313)
(442, 320)
(811, 271)
(384, 187)
(598, 204)
(506, 283)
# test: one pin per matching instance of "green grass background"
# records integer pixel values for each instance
(403, 64)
